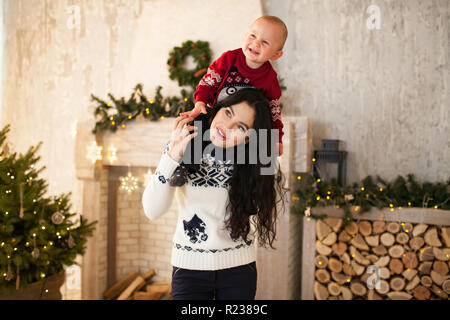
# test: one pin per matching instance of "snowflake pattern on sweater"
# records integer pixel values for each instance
(211, 79)
(201, 240)
(212, 173)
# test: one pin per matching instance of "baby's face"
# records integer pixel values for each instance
(262, 43)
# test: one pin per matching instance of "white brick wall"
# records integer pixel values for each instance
(143, 244)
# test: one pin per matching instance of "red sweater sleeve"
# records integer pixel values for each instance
(208, 85)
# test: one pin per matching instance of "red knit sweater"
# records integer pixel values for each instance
(229, 72)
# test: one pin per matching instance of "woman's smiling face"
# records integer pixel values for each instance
(231, 124)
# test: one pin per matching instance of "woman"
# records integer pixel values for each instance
(214, 251)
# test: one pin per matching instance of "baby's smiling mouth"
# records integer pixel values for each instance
(253, 51)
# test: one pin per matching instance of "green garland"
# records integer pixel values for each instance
(114, 116)
(400, 193)
(202, 57)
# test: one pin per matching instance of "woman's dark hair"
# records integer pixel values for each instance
(250, 192)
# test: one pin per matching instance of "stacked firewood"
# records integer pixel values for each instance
(381, 260)
(139, 287)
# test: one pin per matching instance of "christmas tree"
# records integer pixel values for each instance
(38, 236)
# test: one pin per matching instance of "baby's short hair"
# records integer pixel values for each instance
(279, 22)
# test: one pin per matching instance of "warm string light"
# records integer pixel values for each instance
(94, 153)
(371, 198)
(129, 182)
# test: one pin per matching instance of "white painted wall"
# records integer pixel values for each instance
(384, 92)
(55, 61)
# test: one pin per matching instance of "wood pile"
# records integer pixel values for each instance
(139, 287)
(410, 261)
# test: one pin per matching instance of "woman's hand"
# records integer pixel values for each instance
(180, 137)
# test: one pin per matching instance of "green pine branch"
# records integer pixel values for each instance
(21, 188)
(370, 192)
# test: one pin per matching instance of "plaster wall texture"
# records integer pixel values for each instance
(383, 92)
(59, 52)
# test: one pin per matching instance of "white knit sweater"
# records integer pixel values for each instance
(201, 241)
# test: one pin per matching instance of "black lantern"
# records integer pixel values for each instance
(330, 154)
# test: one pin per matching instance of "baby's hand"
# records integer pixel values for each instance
(199, 107)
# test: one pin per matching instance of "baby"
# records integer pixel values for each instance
(248, 66)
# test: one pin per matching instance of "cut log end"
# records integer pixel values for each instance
(334, 289)
(358, 288)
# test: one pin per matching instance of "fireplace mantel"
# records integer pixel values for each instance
(140, 144)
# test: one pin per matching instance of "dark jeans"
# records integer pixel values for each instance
(238, 283)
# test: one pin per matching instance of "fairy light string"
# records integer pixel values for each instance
(370, 192)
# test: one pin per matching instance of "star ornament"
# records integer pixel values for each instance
(94, 152)
(112, 154)
(128, 183)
